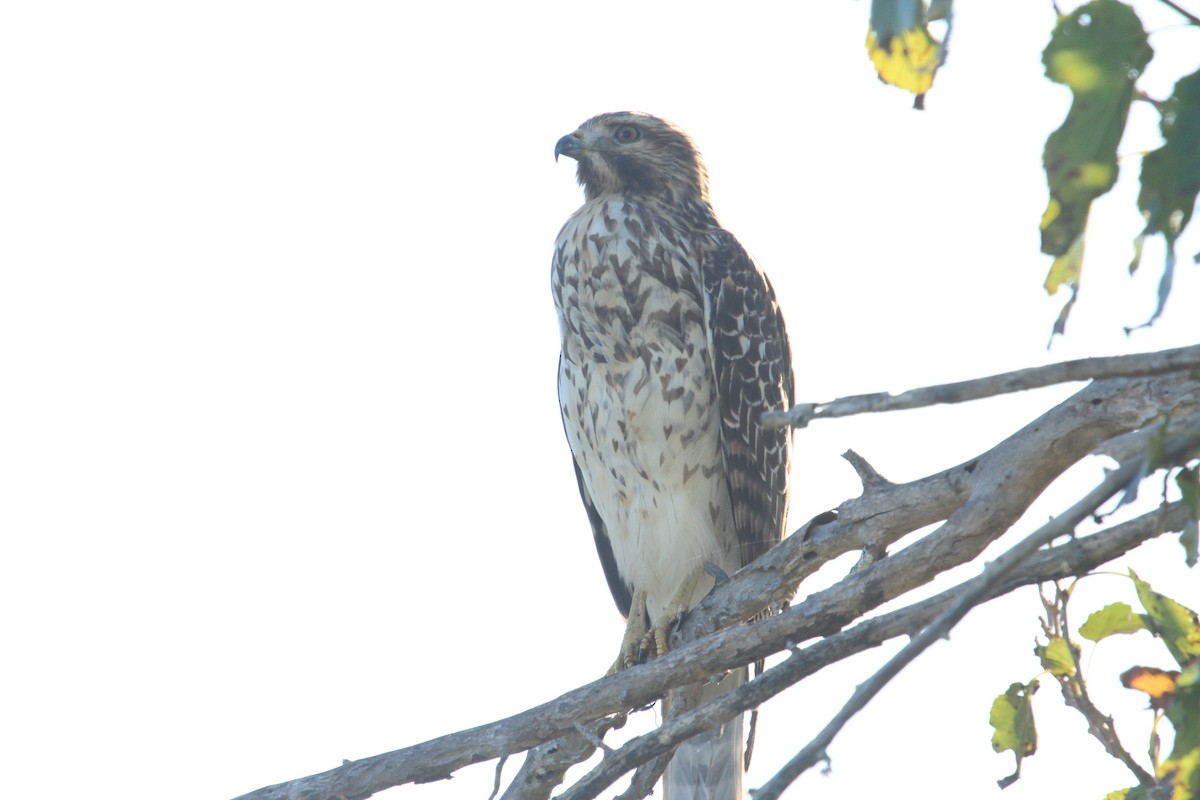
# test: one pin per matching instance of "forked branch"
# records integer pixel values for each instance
(978, 500)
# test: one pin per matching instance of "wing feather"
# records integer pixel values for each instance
(752, 367)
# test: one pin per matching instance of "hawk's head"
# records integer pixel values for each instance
(627, 153)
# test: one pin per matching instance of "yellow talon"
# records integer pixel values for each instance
(641, 642)
(635, 632)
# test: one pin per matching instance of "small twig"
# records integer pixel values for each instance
(499, 772)
(869, 476)
(1192, 18)
(645, 776)
(591, 738)
(1075, 694)
(1083, 369)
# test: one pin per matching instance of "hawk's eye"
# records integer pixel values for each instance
(627, 133)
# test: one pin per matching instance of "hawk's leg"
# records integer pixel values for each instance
(635, 633)
(659, 634)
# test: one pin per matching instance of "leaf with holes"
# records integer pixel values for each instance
(1012, 723)
(1097, 51)
(1171, 179)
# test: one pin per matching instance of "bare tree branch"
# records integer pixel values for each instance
(1192, 18)
(1138, 365)
(546, 764)
(979, 501)
(645, 777)
(1076, 557)
(973, 592)
(500, 762)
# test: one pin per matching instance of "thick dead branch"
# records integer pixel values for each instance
(546, 764)
(1076, 557)
(979, 500)
(973, 592)
(1083, 369)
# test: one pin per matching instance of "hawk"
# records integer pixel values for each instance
(673, 345)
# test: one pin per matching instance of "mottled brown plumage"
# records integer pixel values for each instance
(672, 347)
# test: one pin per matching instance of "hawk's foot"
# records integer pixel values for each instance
(657, 640)
(632, 651)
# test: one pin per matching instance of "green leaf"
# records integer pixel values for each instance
(1183, 774)
(1132, 793)
(1171, 179)
(1188, 481)
(1175, 624)
(1056, 657)
(1183, 712)
(1013, 729)
(1190, 675)
(1114, 618)
(1097, 51)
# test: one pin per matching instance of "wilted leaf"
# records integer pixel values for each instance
(1013, 729)
(1159, 684)
(1114, 618)
(904, 52)
(1066, 269)
(1171, 179)
(1056, 657)
(1175, 624)
(1097, 51)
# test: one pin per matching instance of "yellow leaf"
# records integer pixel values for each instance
(1066, 268)
(1053, 209)
(907, 59)
(1159, 684)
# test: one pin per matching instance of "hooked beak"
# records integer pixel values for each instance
(570, 146)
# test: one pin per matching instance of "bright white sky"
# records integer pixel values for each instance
(282, 476)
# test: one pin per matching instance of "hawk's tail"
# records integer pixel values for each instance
(709, 765)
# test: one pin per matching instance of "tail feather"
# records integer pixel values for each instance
(709, 765)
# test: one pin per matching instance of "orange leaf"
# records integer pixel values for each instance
(1159, 684)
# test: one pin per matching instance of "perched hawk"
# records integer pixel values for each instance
(672, 347)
